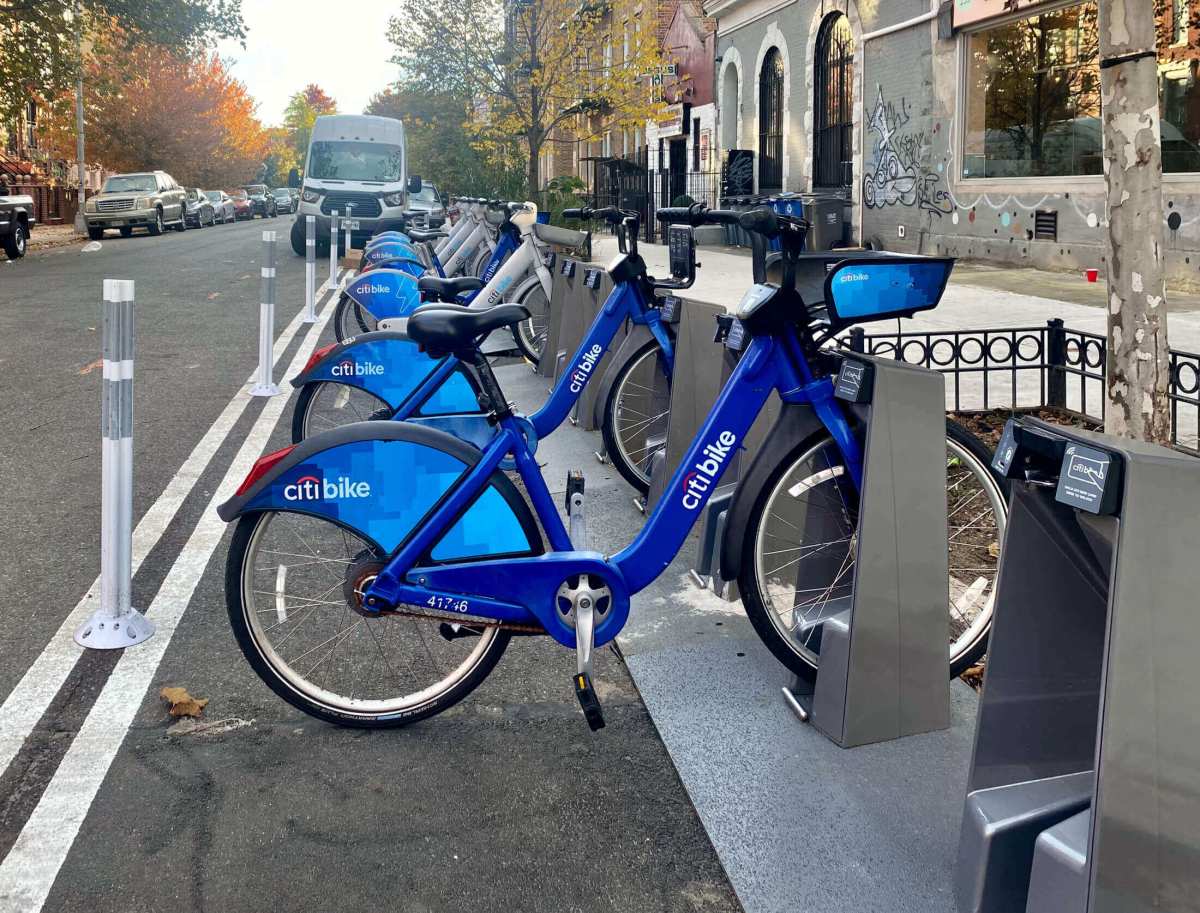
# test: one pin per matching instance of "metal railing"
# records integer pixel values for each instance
(1027, 368)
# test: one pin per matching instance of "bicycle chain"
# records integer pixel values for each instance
(482, 623)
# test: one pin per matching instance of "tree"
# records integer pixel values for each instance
(303, 108)
(443, 147)
(39, 59)
(148, 110)
(1138, 368)
(528, 68)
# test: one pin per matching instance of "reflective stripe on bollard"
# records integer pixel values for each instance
(310, 269)
(266, 321)
(333, 228)
(116, 623)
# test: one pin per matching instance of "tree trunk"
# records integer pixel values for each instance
(531, 173)
(1138, 361)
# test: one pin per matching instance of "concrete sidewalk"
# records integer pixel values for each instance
(979, 295)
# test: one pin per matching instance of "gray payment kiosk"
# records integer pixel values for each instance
(1084, 789)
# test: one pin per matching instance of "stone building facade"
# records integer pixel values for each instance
(970, 128)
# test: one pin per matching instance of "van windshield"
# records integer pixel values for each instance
(350, 161)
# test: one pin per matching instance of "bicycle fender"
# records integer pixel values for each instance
(385, 293)
(389, 366)
(639, 334)
(796, 423)
(380, 480)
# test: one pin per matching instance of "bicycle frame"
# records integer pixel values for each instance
(523, 589)
(624, 302)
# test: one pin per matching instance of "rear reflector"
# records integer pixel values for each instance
(261, 468)
(318, 355)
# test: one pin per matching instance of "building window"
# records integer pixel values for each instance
(833, 125)
(1033, 98)
(1179, 21)
(770, 122)
(695, 144)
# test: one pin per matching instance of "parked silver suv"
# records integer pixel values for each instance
(150, 200)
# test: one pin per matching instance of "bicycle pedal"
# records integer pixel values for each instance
(588, 702)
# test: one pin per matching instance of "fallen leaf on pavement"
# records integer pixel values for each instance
(89, 368)
(182, 703)
(214, 295)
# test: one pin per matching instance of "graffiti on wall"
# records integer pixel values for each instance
(898, 174)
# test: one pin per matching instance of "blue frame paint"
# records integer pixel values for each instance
(523, 589)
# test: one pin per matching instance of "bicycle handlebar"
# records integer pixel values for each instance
(762, 221)
(609, 214)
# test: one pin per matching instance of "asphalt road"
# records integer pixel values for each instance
(508, 802)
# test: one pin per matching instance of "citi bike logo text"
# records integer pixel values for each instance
(697, 482)
(853, 277)
(312, 488)
(498, 292)
(579, 376)
(351, 368)
(372, 289)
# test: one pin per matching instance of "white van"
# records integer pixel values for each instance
(358, 159)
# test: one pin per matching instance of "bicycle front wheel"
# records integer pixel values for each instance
(324, 406)
(352, 319)
(294, 586)
(530, 334)
(636, 416)
(798, 563)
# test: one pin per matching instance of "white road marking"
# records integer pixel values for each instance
(28, 701)
(32, 865)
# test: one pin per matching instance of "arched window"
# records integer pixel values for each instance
(770, 122)
(833, 104)
(730, 107)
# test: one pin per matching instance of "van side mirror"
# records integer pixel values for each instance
(415, 184)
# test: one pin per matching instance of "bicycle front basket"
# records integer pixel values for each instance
(859, 290)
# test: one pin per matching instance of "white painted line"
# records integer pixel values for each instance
(118, 370)
(32, 695)
(32, 865)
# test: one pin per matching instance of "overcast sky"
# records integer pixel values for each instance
(340, 46)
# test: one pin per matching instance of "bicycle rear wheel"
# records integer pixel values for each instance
(294, 586)
(798, 561)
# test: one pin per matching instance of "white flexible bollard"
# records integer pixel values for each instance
(116, 623)
(266, 321)
(333, 232)
(310, 269)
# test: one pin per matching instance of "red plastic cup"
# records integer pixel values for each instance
(1092, 275)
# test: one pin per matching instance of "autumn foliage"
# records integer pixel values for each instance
(187, 116)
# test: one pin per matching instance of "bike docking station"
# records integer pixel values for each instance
(563, 277)
(266, 386)
(116, 624)
(893, 628)
(1082, 795)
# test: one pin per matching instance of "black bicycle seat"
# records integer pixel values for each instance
(454, 328)
(448, 289)
(422, 234)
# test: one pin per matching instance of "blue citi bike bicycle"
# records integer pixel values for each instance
(382, 375)
(378, 571)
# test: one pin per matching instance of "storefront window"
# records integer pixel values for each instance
(1033, 97)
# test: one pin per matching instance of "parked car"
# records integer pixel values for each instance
(284, 201)
(430, 202)
(16, 220)
(200, 211)
(242, 207)
(262, 202)
(222, 205)
(148, 199)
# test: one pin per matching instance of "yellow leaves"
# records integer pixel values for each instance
(180, 703)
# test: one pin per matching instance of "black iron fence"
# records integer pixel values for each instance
(1026, 368)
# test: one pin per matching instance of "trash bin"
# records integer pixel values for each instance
(786, 204)
(1082, 793)
(825, 212)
